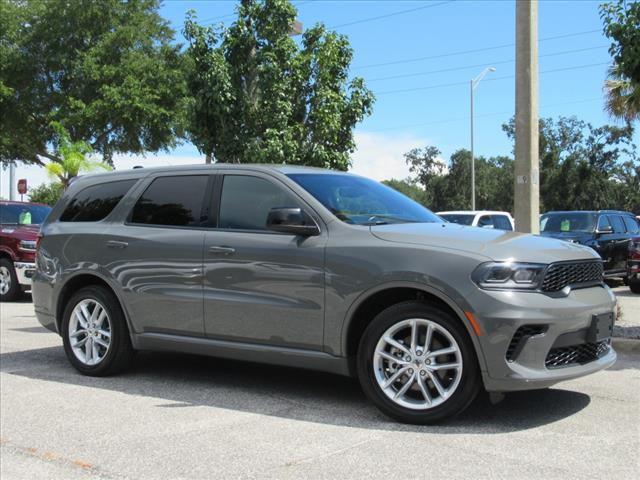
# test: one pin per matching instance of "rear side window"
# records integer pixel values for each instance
(485, 221)
(96, 202)
(501, 222)
(173, 201)
(245, 202)
(632, 225)
(616, 221)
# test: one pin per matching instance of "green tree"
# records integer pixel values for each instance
(583, 167)
(107, 70)
(48, 194)
(409, 188)
(622, 90)
(72, 157)
(426, 166)
(255, 96)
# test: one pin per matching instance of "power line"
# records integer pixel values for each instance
(492, 79)
(393, 14)
(486, 115)
(463, 52)
(478, 65)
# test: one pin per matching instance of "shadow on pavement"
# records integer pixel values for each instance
(626, 293)
(183, 381)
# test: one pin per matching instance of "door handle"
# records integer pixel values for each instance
(222, 250)
(116, 244)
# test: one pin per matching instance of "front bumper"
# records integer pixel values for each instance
(25, 272)
(552, 321)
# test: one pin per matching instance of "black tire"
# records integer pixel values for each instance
(120, 352)
(634, 285)
(14, 287)
(466, 390)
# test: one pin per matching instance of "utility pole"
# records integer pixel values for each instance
(12, 181)
(527, 173)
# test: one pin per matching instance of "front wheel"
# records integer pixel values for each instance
(9, 287)
(417, 364)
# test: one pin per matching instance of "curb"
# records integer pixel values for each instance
(626, 345)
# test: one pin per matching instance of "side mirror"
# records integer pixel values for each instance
(293, 221)
(605, 229)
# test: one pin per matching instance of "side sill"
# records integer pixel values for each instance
(288, 357)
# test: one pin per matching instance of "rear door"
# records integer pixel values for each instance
(262, 286)
(156, 254)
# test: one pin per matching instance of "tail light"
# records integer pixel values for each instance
(634, 249)
(38, 240)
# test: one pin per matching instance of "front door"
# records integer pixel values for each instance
(262, 286)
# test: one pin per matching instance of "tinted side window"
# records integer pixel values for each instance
(245, 202)
(616, 221)
(96, 202)
(501, 222)
(632, 225)
(485, 221)
(603, 222)
(173, 201)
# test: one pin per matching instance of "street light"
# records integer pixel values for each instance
(473, 84)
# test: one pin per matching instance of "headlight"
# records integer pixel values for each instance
(27, 245)
(509, 275)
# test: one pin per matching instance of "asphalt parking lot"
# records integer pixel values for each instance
(175, 416)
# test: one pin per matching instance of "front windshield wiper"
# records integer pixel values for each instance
(385, 220)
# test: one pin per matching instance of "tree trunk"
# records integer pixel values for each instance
(207, 158)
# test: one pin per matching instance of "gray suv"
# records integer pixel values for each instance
(316, 269)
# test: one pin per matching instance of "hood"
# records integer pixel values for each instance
(497, 245)
(21, 232)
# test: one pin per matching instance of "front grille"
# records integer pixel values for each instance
(559, 275)
(576, 354)
(520, 337)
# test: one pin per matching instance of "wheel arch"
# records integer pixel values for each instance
(374, 300)
(78, 281)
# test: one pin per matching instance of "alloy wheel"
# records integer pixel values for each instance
(89, 332)
(417, 364)
(5, 280)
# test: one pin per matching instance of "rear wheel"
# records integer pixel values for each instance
(634, 285)
(417, 364)
(9, 286)
(95, 334)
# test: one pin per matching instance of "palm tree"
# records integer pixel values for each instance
(622, 96)
(72, 158)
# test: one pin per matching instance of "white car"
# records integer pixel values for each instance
(480, 218)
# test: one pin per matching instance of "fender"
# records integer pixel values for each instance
(8, 252)
(97, 272)
(458, 309)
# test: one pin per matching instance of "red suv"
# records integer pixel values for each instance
(19, 226)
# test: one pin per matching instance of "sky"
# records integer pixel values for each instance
(418, 58)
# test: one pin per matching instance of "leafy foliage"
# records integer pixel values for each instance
(622, 25)
(48, 194)
(582, 167)
(105, 70)
(255, 96)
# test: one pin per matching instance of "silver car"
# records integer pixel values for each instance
(320, 270)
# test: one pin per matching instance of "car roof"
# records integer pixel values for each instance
(473, 212)
(15, 202)
(285, 169)
(618, 212)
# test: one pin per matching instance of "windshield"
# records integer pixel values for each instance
(460, 218)
(361, 201)
(23, 214)
(568, 222)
